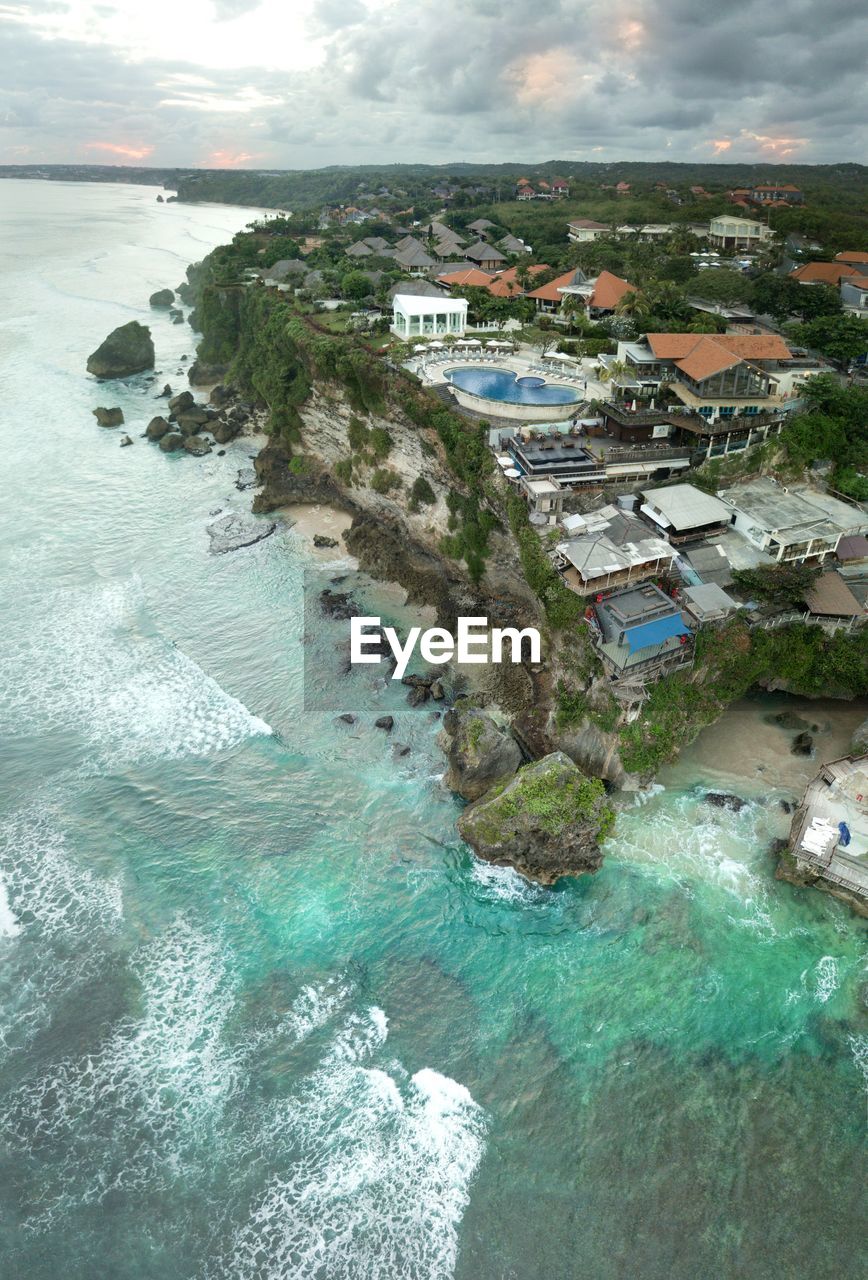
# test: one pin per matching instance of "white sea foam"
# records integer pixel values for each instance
(89, 662)
(378, 1172)
(9, 926)
(164, 1076)
(826, 978)
(505, 884)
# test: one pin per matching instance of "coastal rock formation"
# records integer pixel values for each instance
(197, 445)
(200, 374)
(157, 428)
(321, 540)
(231, 532)
(162, 298)
(172, 442)
(181, 402)
(128, 349)
(724, 800)
(480, 753)
(126, 441)
(546, 822)
(109, 417)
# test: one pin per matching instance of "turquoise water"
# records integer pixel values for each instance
(261, 1014)
(498, 384)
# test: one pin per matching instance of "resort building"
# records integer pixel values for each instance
(715, 375)
(417, 316)
(488, 256)
(780, 193)
(829, 834)
(608, 549)
(854, 258)
(854, 295)
(545, 498)
(639, 634)
(792, 525)
(684, 513)
(707, 603)
(830, 273)
(730, 232)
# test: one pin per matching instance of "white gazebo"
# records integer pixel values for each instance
(416, 316)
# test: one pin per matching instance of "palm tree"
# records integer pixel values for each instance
(611, 372)
(632, 304)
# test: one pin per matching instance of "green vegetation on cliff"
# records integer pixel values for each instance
(729, 661)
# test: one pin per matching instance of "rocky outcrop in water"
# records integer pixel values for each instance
(157, 428)
(480, 753)
(231, 532)
(162, 298)
(547, 821)
(127, 350)
(109, 417)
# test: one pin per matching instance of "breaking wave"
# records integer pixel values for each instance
(89, 662)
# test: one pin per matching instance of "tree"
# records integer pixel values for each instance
(355, 285)
(722, 286)
(785, 585)
(842, 338)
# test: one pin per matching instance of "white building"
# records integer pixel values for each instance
(731, 232)
(792, 524)
(416, 316)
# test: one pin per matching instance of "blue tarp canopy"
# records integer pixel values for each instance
(651, 633)
(843, 835)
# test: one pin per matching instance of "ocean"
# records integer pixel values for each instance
(262, 1015)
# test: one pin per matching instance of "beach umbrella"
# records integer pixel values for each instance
(472, 342)
(436, 346)
(418, 349)
(512, 473)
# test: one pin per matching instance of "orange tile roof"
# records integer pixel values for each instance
(471, 277)
(861, 282)
(511, 273)
(504, 288)
(822, 273)
(549, 292)
(609, 290)
(851, 255)
(700, 356)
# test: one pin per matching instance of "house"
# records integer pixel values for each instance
(417, 288)
(608, 549)
(376, 243)
(545, 498)
(525, 192)
(830, 273)
(853, 258)
(511, 244)
(830, 597)
(480, 227)
(488, 257)
(416, 316)
(854, 295)
(599, 295)
(444, 250)
(359, 250)
(415, 261)
(560, 188)
(829, 833)
(622, 188)
(782, 193)
(466, 278)
(792, 525)
(730, 232)
(852, 552)
(707, 603)
(408, 242)
(581, 230)
(639, 633)
(684, 513)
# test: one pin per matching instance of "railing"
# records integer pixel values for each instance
(829, 625)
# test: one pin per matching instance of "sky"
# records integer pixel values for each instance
(305, 83)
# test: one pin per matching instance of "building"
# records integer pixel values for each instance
(830, 597)
(414, 260)
(829, 833)
(359, 250)
(545, 498)
(854, 295)
(792, 525)
(608, 549)
(511, 244)
(417, 316)
(480, 227)
(554, 456)
(781, 193)
(639, 634)
(707, 603)
(830, 273)
(597, 295)
(466, 278)
(684, 513)
(488, 256)
(581, 230)
(730, 232)
(854, 258)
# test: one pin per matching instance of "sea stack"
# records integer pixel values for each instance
(128, 349)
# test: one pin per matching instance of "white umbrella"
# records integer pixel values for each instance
(512, 473)
(472, 342)
(418, 349)
(464, 342)
(436, 346)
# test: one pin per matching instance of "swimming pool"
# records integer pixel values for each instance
(504, 386)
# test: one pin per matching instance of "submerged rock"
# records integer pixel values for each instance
(418, 695)
(231, 532)
(339, 605)
(125, 441)
(385, 722)
(347, 718)
(162, 298)
(724, 800)
(247, 477)
(197, 445)
(546, 822)
(320, 540)
(803, 745)
(128, 349)
(480, 753)
(109, 417)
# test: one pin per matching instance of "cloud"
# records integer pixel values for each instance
(365, 81)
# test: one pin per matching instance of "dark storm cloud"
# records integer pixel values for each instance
(488, 79)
